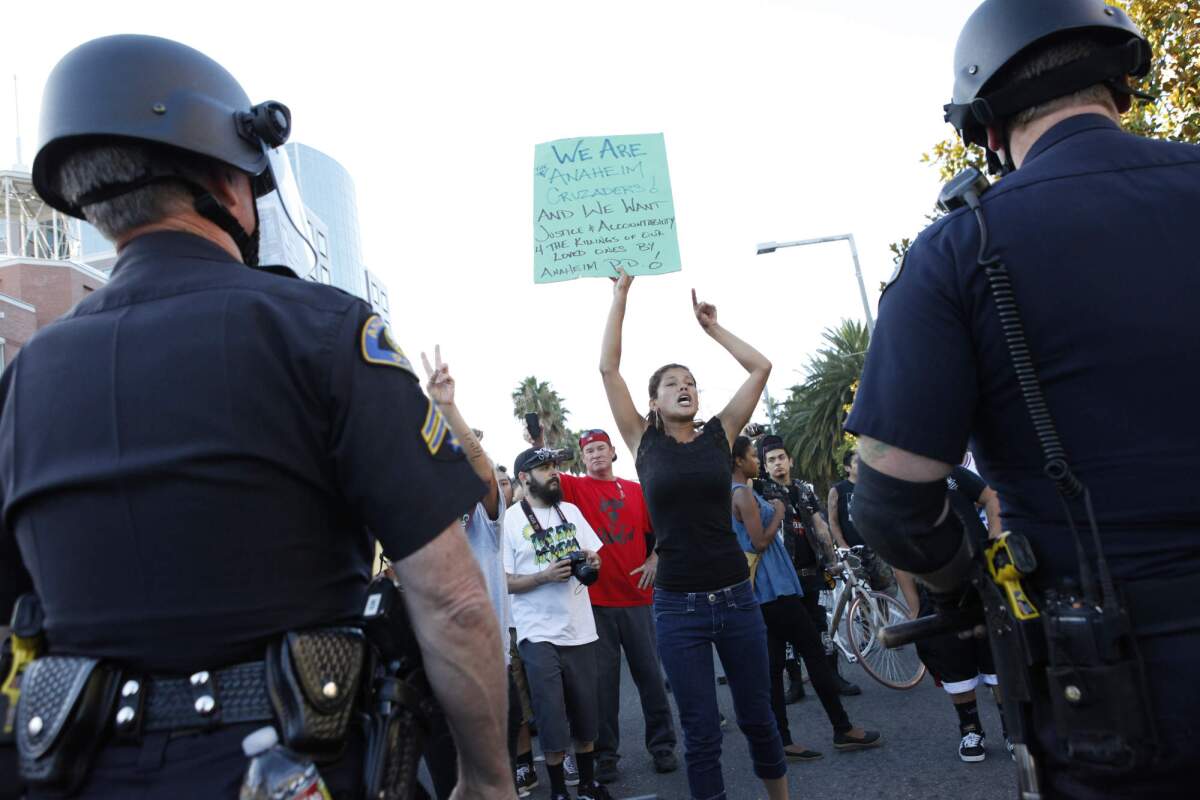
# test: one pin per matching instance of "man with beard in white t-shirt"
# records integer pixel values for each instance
(556, 632)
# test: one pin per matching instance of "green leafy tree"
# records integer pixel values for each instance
(1173, 28)
(537, 397)
(811, 418)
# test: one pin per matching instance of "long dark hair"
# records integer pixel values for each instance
(653, 417)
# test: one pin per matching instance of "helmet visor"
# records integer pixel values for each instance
(285, 233)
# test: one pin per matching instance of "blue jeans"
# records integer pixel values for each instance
(688, 625)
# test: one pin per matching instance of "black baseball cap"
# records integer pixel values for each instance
(537, 456)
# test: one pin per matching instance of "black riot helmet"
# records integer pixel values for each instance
(159, 92)
(999, 31)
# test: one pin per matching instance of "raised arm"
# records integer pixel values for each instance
(741, 406)
(441, 390)
(630, 423)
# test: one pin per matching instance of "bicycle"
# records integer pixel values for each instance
(858, 615)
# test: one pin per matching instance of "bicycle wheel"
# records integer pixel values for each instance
(896, 668)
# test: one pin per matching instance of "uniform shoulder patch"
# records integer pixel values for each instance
(378, 347)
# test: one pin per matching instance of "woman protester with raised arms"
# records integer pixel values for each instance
(702, 594)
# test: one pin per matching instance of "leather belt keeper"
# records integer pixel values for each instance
(204, 699)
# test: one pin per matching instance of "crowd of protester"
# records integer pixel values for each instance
(582, 569)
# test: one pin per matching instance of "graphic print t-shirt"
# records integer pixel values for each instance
(559, 613)
(617, 513)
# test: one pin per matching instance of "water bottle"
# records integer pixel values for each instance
(276, 773)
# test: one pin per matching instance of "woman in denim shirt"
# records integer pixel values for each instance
(702, 593)
(778, 591)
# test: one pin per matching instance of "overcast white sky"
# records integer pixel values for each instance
(783, 120)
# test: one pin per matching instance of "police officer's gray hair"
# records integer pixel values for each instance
(1046, 58)
(118, 162)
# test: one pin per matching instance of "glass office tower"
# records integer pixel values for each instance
(328, 190)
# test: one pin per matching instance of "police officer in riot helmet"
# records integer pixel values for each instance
(197, 460)
(1033, 322)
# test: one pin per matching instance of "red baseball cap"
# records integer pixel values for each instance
(595, 435)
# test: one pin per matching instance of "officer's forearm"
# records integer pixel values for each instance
(911, 526)
(460, 642)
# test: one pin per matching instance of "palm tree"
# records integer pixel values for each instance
(537, 397)
(811, 417)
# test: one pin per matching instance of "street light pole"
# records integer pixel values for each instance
(771, 247)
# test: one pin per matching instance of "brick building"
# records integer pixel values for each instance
(34, 292)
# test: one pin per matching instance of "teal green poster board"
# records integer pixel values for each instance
(602, 202)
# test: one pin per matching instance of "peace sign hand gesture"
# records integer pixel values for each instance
(440, 385)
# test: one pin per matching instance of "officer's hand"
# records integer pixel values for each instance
(466, 790)
(440, 385)
(706, 313)
(557, 572)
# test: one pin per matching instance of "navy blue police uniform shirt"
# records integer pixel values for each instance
(1100, 231)
(192, 458)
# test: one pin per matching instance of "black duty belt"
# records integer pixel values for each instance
(204, 699)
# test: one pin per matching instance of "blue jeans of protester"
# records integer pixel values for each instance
(689, 625)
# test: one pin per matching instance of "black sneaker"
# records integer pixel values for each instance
(606, 770)
(971, 747)
(527, 780)
(665, 761)
(596, 792)
(560, 796)
(570, 769)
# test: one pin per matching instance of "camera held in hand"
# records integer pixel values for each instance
(770, 490)
(581, 570)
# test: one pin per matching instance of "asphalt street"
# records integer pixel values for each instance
(919, 757)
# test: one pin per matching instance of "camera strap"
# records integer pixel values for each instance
(533, 520)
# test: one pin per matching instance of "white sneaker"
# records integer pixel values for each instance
(971, 747)
(570, 769)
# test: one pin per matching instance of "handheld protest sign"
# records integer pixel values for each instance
(602, 202)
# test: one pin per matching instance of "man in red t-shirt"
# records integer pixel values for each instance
(621, 601)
